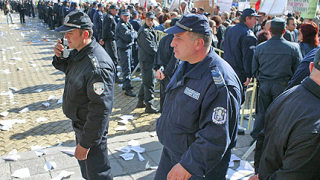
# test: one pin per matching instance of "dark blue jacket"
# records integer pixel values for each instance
(198, 124)
(108, 27)
(65, 11)
(135, 24)
(125, 34)
(239, 45)
(88, 92)
(97, 21)
(303, 69)
(148, 43)
(91, 13)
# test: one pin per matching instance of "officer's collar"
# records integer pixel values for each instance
(78, 55)
(276, 37)
(312, 86)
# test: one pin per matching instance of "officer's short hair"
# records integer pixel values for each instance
(243, 19)
(206, 38)
(289, 18)
(89, 30)
(276, 31)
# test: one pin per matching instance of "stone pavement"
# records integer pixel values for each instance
(26, 52)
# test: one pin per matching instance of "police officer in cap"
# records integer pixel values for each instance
(125, 35)
(93, 10)
(108, 35)
(88, 93)
(198, 124)
(97, 21)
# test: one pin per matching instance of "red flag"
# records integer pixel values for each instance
(145, 3)
(258, 5)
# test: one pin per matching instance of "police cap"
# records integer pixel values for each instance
(278, 23)
(151, 14)
(134, 13)
(316, 61)
(113, 6)
(249, 12)
(125, 12)
(193, 23)
(75, 20)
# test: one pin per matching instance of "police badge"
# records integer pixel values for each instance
(219, 115)
(98, 88)
(66, 19)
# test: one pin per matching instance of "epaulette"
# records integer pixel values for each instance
(217, 77)
(94, 61)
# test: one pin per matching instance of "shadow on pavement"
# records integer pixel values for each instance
(38, 106)
(44, 87)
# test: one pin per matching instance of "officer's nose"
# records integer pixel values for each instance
(173, 43)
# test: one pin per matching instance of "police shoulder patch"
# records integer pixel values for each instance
(219, 115)
(98, 88)
(217, 77)
(94, 61)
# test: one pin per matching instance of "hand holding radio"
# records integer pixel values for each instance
(61, 49)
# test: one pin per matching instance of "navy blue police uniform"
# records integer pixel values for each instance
(97, 21)
(198, 124)
(92, 11)
(88, 98)
(125, 35)
(136, 26)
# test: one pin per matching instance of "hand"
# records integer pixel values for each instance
(159, 74)
(101, 42)
(58, 48)
(178, 173)
(254, 177)
(247, 82)
(81, 153)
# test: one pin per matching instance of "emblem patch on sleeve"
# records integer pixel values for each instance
(98, 88)
(219, 115)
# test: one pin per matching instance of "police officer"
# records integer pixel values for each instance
(108, 36)
(88, 94)
(289, 148)
(56, 8)
(21, 10)
(50, 15)
(274, 63)
(165, 63)
(92, 10)
(97, 21)
(239, 44)
(125, 35)
(198, 124)
(148, 46)
(65, 9)
(136, 26)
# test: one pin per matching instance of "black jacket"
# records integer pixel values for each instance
(108, 27)
(88, 93)
(148, 43)
(125, 34)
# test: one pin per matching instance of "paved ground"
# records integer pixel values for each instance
(25, 66)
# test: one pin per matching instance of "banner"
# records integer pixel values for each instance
(273, 7)
(225, 5)
(311, 11)
(297, 5)
(243, 5)
(253, 3)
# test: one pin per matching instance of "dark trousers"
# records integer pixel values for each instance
(22, 19)
(163, 84)
(135, 55)
(147, 87)
(266, 94)
(97, 165)
(168, 160)
(125, 60)
(111, 48)
(51, 22)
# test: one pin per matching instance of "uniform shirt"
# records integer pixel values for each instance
(303, 69)
(291, 145)
(198, 123)
(148, 43)
(125, 34)
(239, 44)
(136, 24)
(276, 60)
(108, 27)
(88, 92)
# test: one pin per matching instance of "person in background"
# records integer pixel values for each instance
(7, 11)
(263, 36)
(221, 29)
(308, 37)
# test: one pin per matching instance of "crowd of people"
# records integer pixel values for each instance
(200, 92)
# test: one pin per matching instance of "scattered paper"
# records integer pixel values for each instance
(6, 71)
(60, 101)
(52, 97)
(13, 156)
(148, 167)
(125, 149)
(16, 58)
(45, 104)
(13, 89)
(12, 47)
(7, 124)
(121, 128)
(69, 152)
(141, 158)
(153, 134)
(234, 158)
(126, 117)
(33, 65)
(50, 166)
(134, 143)
(19, 69)
(4, 114)
(41, 119)
(19, 52)
(138, 149)
(37, 147)
(234, 175)
(63, 174)
(40, 152)
(231, 164)
(124, 122)
(21, 173)
(38, 90)
(245, 166)
(24, 110)
(127, 156)
(136, 79)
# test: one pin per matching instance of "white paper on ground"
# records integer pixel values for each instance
(40, 152)
(148, 167)
(134, 143)
(67, 151)
(24, 110)
(13, 157)
(127, 156)
(38, 90)
(231, 164)
(126, 117)
(33, 65)
(11, 122)
(50, 166)
(121, 128)
(19, 69)
(52, 97)
(125, 122)
(234, 158)
(141, 158)
(153, 134)
(124, 149)
(21, 173)
(63, 174)
(137, 149)
(41, 119)
(11, 47)
(13, 89)
(19, 52)
(45, 104)
(4, 114)
(245, 166)
(37, 147)
(120, 85)
(16, 58)
(233, 175)
(6, 71)
(136, 79)
(60, 101)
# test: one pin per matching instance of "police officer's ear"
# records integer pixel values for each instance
(199, 43)
(85, 34)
